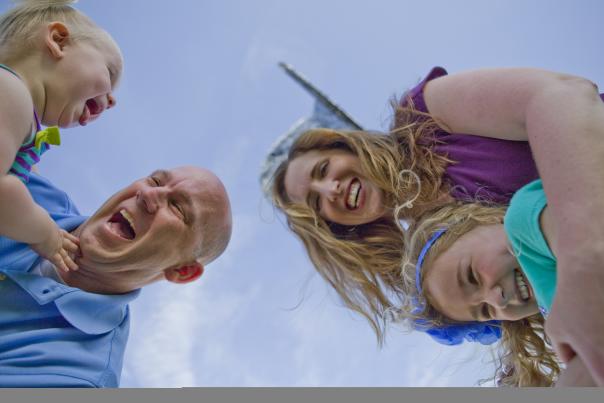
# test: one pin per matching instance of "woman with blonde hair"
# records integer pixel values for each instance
(470, 136)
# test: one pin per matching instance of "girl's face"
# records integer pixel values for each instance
(81, 85)
(478, 279)
(332, 183)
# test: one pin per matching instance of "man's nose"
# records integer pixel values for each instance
(151, 199)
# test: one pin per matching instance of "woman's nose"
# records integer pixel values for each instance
(330, 189)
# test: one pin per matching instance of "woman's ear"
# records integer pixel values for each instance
(57, 36)
(185, 273)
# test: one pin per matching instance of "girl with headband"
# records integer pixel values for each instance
(475, 274)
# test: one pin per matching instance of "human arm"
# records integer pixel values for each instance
(575, 374)
(21, 218)
(562, 117)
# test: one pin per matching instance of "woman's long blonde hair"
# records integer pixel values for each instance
(362, 263)
(525, 357)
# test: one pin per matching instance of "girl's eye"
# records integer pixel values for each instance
(471, 277)
(155, 181)
(486, 313)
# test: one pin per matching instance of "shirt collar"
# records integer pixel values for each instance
(89, 312)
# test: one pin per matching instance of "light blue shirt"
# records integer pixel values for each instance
(53, 335)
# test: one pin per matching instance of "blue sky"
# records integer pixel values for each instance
(202, 86)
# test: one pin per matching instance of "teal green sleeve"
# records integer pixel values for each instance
(530, 248)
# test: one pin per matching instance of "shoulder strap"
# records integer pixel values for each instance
(2, 66)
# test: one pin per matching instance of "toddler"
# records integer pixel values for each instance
(57, 68)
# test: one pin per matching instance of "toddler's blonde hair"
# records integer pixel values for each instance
(19, 27)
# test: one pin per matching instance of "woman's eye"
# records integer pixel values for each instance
(317, 204)
(323, 169)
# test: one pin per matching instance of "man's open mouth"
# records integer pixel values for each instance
(123, 225)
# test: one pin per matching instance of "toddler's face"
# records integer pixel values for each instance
(478, 279)
(82, 84)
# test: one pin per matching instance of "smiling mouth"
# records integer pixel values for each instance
(91, 111)
(522, 285)
(352, 201)
(123, 225)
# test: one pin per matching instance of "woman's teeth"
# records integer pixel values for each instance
(353, 196)
(522, 286)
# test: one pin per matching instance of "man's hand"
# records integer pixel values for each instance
(58, 248)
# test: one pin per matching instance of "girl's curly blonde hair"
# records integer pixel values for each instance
(362, 263)
(525, 357)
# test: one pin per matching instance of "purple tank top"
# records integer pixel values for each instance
(485, 169)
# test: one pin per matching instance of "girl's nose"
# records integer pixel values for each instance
(497, 297)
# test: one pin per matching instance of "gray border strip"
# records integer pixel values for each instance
(306, 395)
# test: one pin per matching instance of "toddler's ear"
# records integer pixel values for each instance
(57, 36)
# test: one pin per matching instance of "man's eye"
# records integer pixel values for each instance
(178, 209)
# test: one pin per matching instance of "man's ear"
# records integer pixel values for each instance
(57, 36)
(185, 273)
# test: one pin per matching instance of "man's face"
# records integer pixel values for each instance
(156, 223)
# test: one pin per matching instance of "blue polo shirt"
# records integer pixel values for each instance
(53, 335)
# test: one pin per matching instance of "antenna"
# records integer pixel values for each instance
(320, 97)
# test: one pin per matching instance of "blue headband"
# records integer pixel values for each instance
(451, 334)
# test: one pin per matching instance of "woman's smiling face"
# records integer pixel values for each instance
(332, 183)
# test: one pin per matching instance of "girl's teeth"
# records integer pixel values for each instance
(352, 196)
(524, 293)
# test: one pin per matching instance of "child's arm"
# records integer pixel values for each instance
(21, 218)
